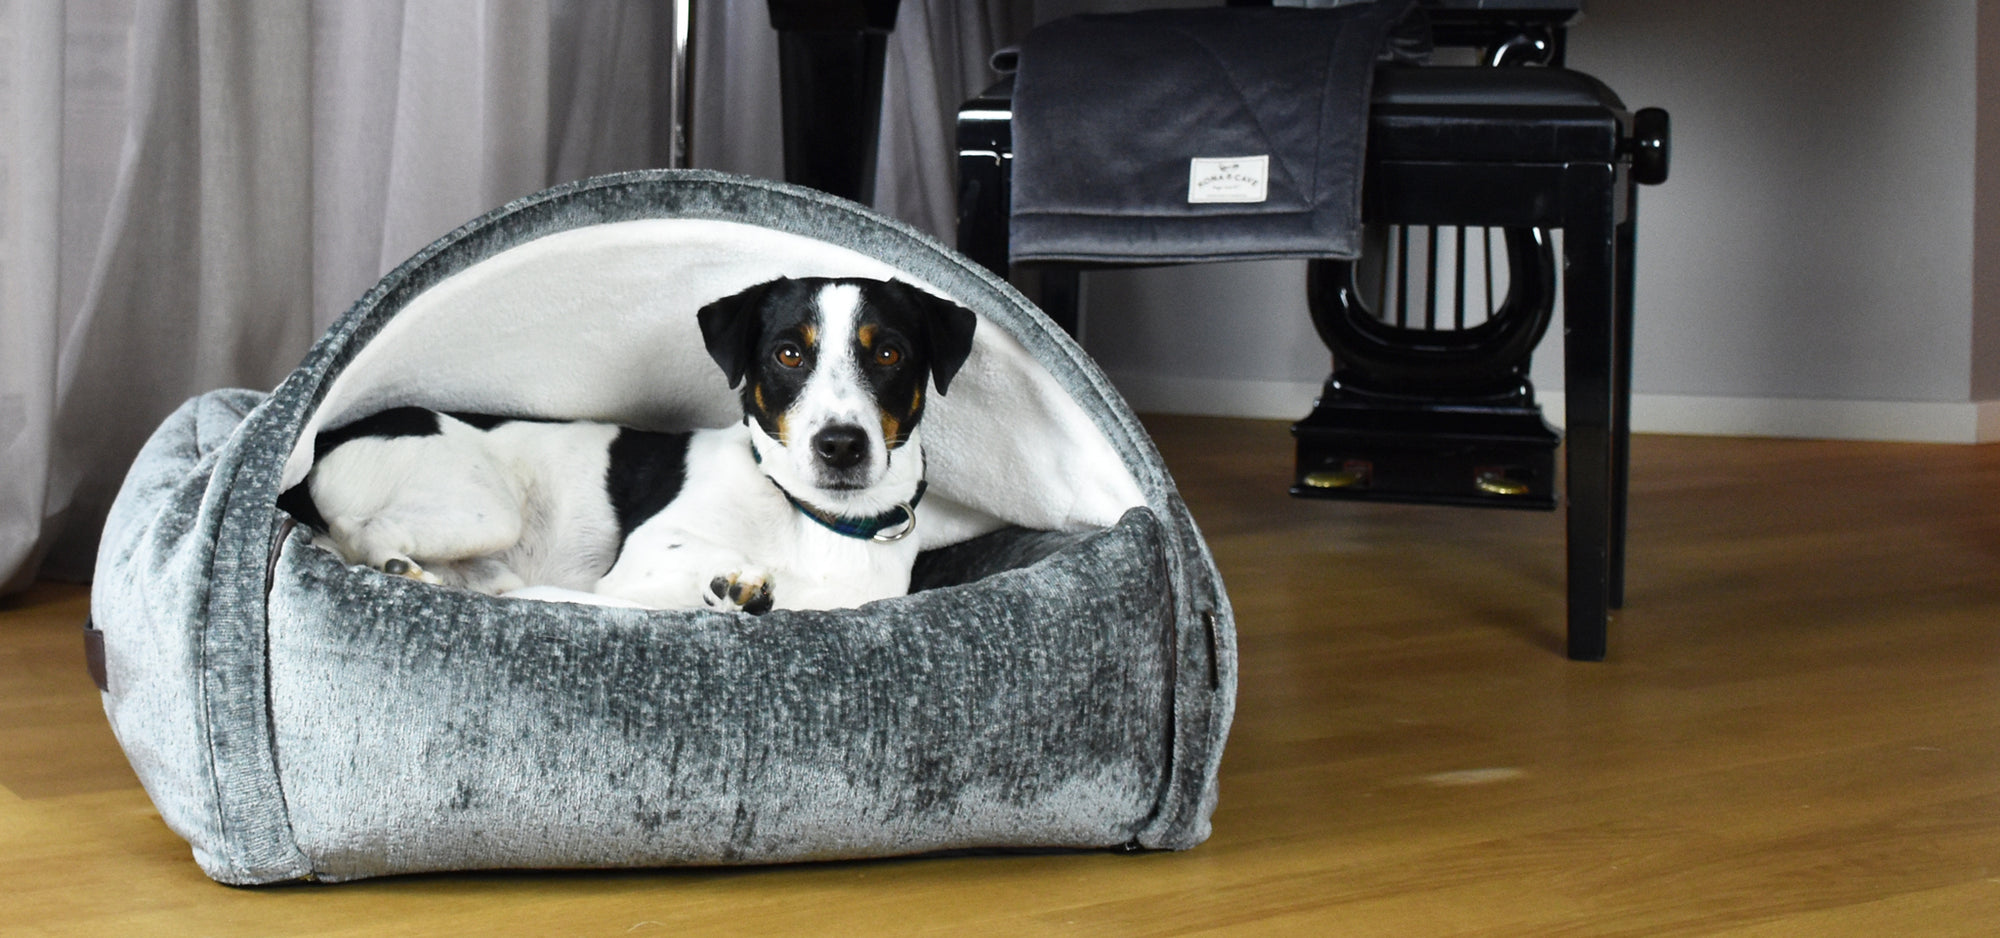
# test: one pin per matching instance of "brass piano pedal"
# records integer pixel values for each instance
(1352, 474)
(1501, 481)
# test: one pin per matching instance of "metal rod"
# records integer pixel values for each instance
(680, 149)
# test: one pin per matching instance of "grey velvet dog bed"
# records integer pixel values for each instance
(1062, 675)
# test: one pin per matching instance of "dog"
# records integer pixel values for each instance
(807, 503)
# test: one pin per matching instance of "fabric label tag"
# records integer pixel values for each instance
(1228, 178)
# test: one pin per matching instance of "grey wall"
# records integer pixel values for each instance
(1814, 242)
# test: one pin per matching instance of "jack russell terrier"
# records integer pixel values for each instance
(807, 503)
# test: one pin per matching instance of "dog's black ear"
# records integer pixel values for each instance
(951, 328)
(728, 326)
(948, 329)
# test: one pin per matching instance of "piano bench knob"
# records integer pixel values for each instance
(1650, 146)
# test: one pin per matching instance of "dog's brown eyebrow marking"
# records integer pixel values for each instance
(778, 420)
(809, 334)
(866, 335)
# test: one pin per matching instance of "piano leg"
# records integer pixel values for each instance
(830, 60)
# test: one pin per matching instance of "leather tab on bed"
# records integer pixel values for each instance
(93, 654)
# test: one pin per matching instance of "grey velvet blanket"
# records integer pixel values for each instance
(1207, 134)
(1062, 676)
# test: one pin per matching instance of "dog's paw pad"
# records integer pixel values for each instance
(747, 591)
(759, 600)
(405, 567)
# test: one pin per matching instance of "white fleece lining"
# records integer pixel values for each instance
(599, 323)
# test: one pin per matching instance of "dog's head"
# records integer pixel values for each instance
(835, 371)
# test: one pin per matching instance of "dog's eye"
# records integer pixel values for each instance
(790, 355)
(888, 355)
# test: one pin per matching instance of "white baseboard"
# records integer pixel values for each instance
(1900, 421)
(1897, 421)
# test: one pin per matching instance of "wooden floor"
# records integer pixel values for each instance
(1797, 733)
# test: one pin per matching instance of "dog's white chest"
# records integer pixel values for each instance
(827, 570)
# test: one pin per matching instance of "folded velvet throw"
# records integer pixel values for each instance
(1206, 134)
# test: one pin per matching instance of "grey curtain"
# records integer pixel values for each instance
(190, 190)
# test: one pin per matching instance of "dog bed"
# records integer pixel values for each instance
(1061, 676)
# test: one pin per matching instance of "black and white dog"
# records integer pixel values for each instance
(805, 504)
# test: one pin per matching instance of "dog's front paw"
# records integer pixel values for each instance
(748, 590)
(405, 567)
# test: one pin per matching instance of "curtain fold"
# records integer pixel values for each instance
(209, 167)
(937, 58)
(31, 114)
(194, 189)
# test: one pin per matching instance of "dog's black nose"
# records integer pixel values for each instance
(840, 446)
